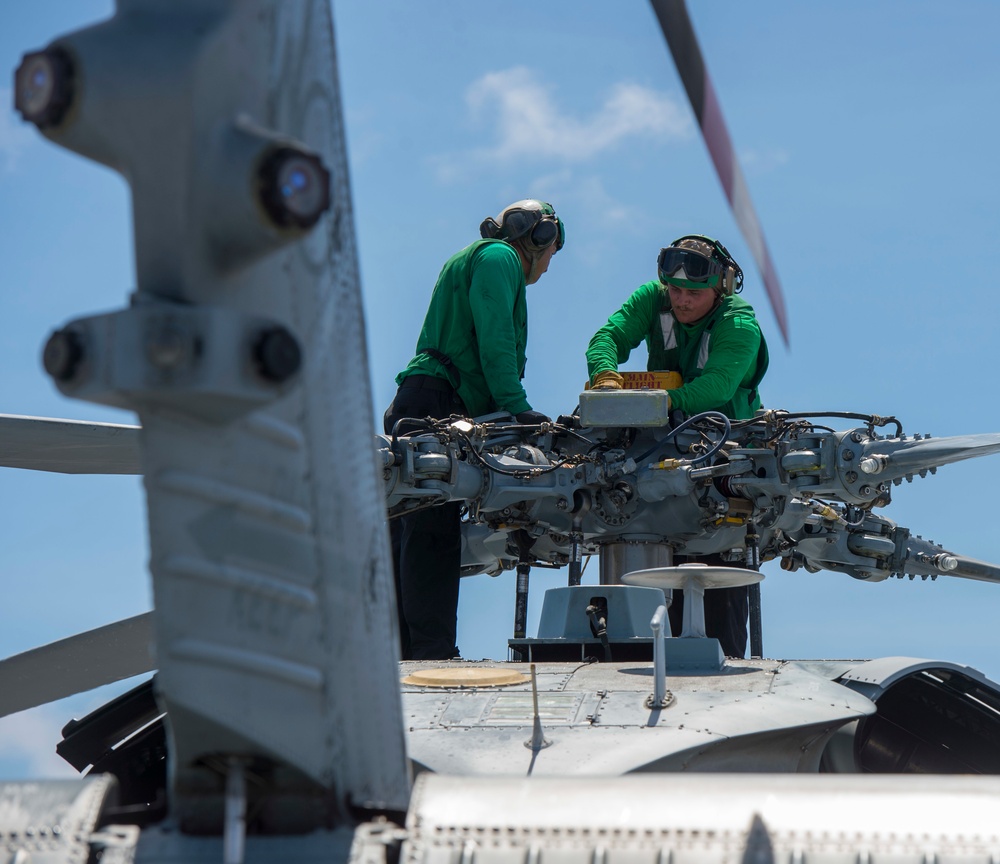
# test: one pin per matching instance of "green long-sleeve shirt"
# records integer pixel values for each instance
(722, 358)
(478, 317)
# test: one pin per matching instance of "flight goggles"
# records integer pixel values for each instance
(701, 270)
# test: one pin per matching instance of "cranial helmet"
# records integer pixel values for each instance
(534, 223)
(706, 264)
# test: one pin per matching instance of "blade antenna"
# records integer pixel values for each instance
(679, 32)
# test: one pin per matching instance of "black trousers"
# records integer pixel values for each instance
(427, 545)
(726, 611)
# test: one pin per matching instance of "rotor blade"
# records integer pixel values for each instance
(77, 664)
(894, 461)
(676, 25)
(971, 568)
(68, 446)
(926, 558)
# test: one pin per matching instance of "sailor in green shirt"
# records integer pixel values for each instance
(469, 361)
(692, 323)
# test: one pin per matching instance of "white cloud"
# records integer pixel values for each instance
(15, 136)
(762, 162)
(612, 211)
(28, 745)
(528, 122)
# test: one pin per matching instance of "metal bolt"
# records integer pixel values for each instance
(294, 187)
(847, 455)
(167, 346)
(864, 491)
(561, 504)
(851, 476)
(873, 464)
(857, 437)
(62, 355)
(44, 87)
(276, 354)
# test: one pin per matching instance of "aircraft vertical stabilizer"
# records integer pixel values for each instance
(268, 548)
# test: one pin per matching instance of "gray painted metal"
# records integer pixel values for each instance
(690, 652)
(624, 407)
(77, 664)
(68, 446)
(159, 844)
(690, 819)
(630, 610)
(275, 631)
(61, 822)
(750, 716)
(810, 493)
(262, 536)
(53, 821)
(873, 677)
(694, 579)
(625, 557)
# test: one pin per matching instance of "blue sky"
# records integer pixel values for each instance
(867, 130)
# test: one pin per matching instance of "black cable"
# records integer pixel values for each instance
(425, 423)
(430, 424)
(599, 627)
(705, 416)
(871, 419)
(568, 431)
(519, 473)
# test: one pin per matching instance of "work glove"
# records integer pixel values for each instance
(532, 418)
(608, 380)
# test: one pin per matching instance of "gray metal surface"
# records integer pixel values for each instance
(629, 611)
(873, 677)
(274, 622)
(686, 575)
(702, 819)
(626, 557)
(624, 407)
(262, 536)
(68, 446)
(750, 716)
(161, 845)
(806, 494)
(77, 664)
(52, 821)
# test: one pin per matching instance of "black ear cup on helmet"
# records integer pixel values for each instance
(537, 228)
(518, 223)
(544, 234)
